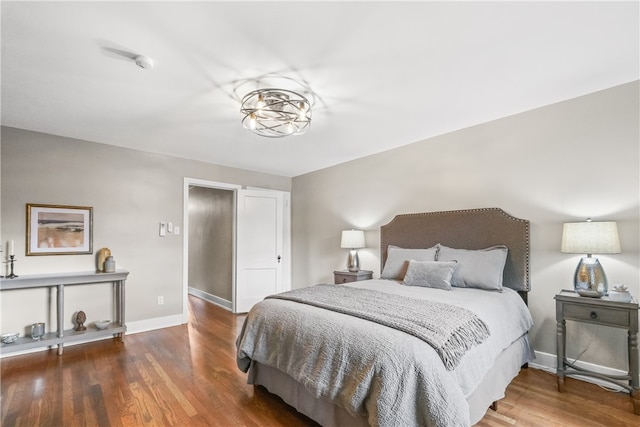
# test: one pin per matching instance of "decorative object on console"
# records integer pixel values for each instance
(102, 324)
(59, 230)
(590, 238)
(110, 265)
(12, 275)
(10, 338)
(12, 256)
(275, 113)
(352, 239)
(80, 319)
(10, 259)
(101, 258)
(37, 331)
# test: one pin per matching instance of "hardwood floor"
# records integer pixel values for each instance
(187, 376)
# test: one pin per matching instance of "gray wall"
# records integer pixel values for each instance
(564, 162)
(130, 192)
(211, 214)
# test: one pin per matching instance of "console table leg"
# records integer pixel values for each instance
(121, 307)
(60, 315)
(561, 384)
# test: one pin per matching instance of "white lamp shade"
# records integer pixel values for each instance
(590, 238)
(352, 239)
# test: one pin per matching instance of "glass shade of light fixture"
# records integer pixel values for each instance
(275, 113)
(590, 238)
(352, 239)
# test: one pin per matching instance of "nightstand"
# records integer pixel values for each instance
(345, 276)
(599, 311)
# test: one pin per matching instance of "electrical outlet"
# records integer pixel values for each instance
(160, 300)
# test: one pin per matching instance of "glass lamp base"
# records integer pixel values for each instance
(353, 263)
(590, 280)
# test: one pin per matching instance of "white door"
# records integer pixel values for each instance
(259, 247)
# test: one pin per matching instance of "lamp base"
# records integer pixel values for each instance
(590, 280)
(353, 262)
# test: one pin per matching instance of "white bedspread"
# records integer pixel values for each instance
(371, 369)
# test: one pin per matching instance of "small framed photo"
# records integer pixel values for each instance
(59, 230)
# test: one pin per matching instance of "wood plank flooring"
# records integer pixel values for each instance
(187, 376)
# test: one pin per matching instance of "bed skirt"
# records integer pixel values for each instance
(325, 413)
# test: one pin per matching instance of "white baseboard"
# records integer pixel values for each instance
(227, 305)
(151, 324)
(547, 362)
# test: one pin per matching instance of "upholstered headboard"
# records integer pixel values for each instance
(465, 229)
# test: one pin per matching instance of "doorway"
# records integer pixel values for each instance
(211, 244)
(218, 221)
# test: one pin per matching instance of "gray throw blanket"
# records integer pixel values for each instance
(450, 330)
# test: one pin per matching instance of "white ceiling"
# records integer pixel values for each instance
(383, 74)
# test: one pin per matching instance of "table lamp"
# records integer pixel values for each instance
(590, 238)
(352, 239)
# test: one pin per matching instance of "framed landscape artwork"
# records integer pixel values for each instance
(59, 230)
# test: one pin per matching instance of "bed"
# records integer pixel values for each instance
(341, 362)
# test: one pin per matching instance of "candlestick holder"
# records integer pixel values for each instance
(12, 275)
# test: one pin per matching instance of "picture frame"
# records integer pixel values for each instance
(59, 230)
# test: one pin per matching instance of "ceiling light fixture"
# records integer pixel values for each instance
(275, 113)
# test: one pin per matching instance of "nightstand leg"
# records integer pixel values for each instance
(560, 384)
(633, 368)
(561, 344)
(635, 398)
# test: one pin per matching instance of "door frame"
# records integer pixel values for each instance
(185, 235)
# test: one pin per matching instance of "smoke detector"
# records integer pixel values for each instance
(144, 62)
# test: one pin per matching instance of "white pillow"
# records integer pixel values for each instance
(481, 268)
(398, 260)
(430, 274)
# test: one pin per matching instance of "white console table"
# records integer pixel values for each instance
(59, 281)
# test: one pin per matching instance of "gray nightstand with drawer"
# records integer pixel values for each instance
(599, 311)
(345, 276)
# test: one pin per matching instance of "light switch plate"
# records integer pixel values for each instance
(163, 229)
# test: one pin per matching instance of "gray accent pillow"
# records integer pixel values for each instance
(430, 274)
(398, 260)
(481, 268)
